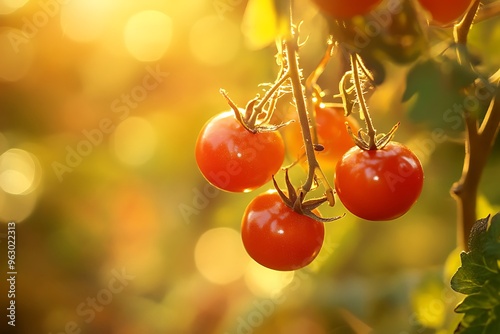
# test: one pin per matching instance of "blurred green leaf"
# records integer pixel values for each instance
(437, 86)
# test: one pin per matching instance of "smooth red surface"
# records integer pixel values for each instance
(446, 11)
(379, 184)
(277, 237)
(233, 159)
(341, 9)
(332, 134)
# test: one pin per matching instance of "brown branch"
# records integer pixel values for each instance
(478, 145)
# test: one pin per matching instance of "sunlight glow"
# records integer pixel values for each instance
(148, 34)
(264, 282)
(220, 256)
(134, 141)
(221, 46)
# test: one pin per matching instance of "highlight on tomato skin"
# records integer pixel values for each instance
(445, 12)
(277, 237)
(379, 184)
(344, 10)
(234, 159)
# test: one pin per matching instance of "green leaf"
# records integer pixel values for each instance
(434, 92)
(487, 298)
(473, 273)
(479, 278)
(492, 243)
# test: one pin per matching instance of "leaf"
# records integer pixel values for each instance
(492, 243)
(486, 299)
(434, 92)
(471, 276)
(479, 278)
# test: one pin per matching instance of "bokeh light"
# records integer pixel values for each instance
(264, 282)
(220, 256)
(19, 172)
(221, 47)
(148, 34)
(134, 141)
(9, 6)
(85, 20)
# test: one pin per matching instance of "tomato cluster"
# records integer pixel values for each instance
(374, 177)
(379, 184)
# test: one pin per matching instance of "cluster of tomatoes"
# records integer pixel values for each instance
(374, 183)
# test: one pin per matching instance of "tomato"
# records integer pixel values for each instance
(332, 134)
(234, 159)
(446, 12)
(277, 237)
(379, 184)
(341, 9)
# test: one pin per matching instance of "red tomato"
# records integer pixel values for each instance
(332, 134)
(233, 159)
(277, 237)
(379, 184)
(341, 9)
(446, 12)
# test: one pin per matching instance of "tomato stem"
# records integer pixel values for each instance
(488, 11)
(257, 110)
(312, 88)
(461, 30)
(291, 50)
(372, 133)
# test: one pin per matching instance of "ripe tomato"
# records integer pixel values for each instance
(379, 184)
(277, 237)
(233, 159)
(445, 12)
(341, 9)
(332, 134)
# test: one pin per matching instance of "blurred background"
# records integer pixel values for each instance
(117, 232)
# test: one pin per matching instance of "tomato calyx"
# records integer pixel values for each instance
(362, 138)
(296, 200)
(257, 114)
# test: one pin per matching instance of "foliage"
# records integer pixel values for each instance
(479, 279)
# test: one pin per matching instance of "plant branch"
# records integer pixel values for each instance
(478, 145)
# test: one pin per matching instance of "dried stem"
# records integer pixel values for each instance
(361, 100)
(300, 104)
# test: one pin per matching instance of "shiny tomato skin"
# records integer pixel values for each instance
(332, 135)
(234, 159)
(344, 10)
(277, 237)
(445, 12)
(379, 184)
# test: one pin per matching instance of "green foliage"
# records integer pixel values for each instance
(437, 86)
(479, 279)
